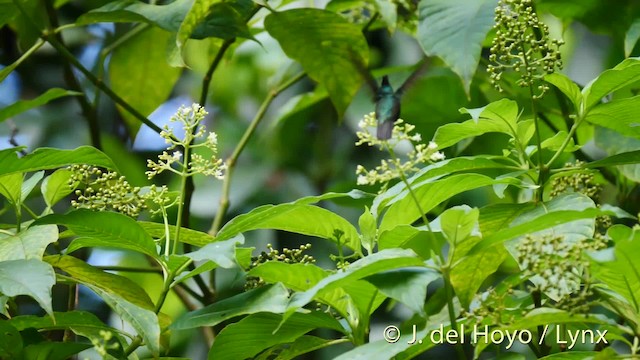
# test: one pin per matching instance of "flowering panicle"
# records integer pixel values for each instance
(393, 168)
(105, 190)
(174, 160)
(288, 256)
(522, 43)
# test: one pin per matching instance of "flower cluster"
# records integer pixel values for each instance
(104, 190)
(175, 161)
(288, 256)
(580, 182)
(554, 263)
(522, 43)
(393, 168)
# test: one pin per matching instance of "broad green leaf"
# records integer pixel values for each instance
(560, 213)
(82, 323)
(454, 30)
(88, 275)
(131, 71)
(622, 274)
(576, 355)
(631, 37)
(297, 218)
(368, 229)
(497, 217)
(554, 143)
(621, 115)
(30, 277)
(224, 20)
(28, 244)
(10, 341)
(623, 74)
(29, 184)
(298, 277)
(618, 145)
(199, 11)
(631, 157)
(382, 349)
(470, 272)
(187, 236)
(359, 294)
(7, 12)
(434, 171)
(56, 186)
(249, 336)
(381, 261)
(500, 116)
(458, 222)
(353, 194)
(269, 298)
(48, 158)
(325, 44)
(24, 105)
(431, 193)
(222, 253)
(107, 229)
(144, 321)
(567, 86)
(303, 345)
(53, 350)
(408, 286)
(11, 188)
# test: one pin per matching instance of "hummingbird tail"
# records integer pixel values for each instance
(384, 130)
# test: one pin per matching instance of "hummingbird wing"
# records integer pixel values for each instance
(422, 67)
(365, 73)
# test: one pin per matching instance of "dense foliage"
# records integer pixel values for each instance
(191, 177)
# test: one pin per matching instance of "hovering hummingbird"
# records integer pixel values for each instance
(388, 101)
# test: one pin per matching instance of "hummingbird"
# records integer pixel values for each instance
(387, 100)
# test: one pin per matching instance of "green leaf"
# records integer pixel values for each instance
(576, 355)
(325, 44)
(28, 244)
(222, 253)
(24, 105)
(30, 277)
(134, 69)
(298, 277)
(554, 143)
(454, 30)
(434, 171)
(11, 188)
(53, 350)
(29, 185)
(10, 341)
(56, 187)
(567, 86)
(619, 146)
(562, 211)
(249, 336)
(187, 236)
(297, 218)
(82, 323)
(631, 157)
(108, 229)
(48, 158)
(368, 229)
(470, 272)
(381, 261)
(631, 37)
(408, 286)
(499, 116)
(458, 222)
(144, 321)
(270, 298)
(88, 275)
(225, 20)
(622, 274)
(621, 115)
(303, 345)
(623, 74)
(431, 193)
(382, 349)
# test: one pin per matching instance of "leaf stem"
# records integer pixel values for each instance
(231, 161)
